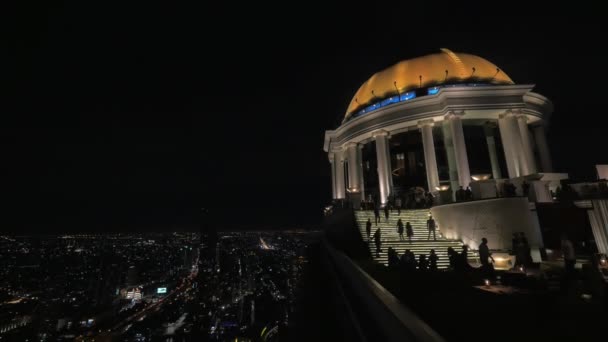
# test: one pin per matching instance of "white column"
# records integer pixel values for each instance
(384, 166)
(361, 179)
(526, 142)
(543, 148)
(339, 165)
(332, 164)
(430, 160)
(489, 133)
(517, 145)
(510, 157)
(460, 149)
(354, 167)
(449, 149)
(598, 217)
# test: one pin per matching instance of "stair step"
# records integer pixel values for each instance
(419, 244)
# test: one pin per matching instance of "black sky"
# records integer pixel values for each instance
(137, 115)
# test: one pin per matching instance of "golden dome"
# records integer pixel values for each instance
(426, 71)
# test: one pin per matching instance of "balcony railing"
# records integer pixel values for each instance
(369, 311)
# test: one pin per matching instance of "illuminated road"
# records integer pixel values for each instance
(125, 324)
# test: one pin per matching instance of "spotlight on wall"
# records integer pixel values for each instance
(481, 177)
(442, 187)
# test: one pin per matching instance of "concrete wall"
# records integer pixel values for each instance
(494, 219)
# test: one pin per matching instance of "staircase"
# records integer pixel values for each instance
(419, 245)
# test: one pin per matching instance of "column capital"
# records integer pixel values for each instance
(380, 133)
(427, 122)
(454, 114)
(351, 144)
(522, 117)
(507, 113)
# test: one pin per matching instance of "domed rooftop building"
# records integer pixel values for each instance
(438, 122)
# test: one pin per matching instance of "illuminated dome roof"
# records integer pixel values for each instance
(445, 67)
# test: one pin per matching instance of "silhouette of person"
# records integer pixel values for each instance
(520, 251)
(453, 258)
(393, 258)
(569, 254)
(460, 194)
(514, 243)
(423, 264)
(400, 229)
(525, 188)
(430, 224)
(410, 261)
(484, 253)
(429, 200)
(368, 228)
(376, 214)
(526, 252)
(398, 205)
(377, 242)
(484, 256)
(468, 194)
(386, 211)
(509, 189)
(464, 258)
(433, 260)
(409, 230)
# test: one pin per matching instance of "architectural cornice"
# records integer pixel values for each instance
(484, 103)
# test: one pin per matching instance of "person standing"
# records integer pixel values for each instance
(430, 224)
(386, 211)
(398, 204)
(433, 260)
(377, 242)
(514, 243)
(423, 264)
(464, 259)
(460, 194)
(409, 230)
(453, 258)
(368, 228)
(569, 254)
(525, 188)
(484, 257)
(429, 199)
(400, 229)
(376, 214)
(468, 194)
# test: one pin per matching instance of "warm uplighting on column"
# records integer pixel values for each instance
(480, 177)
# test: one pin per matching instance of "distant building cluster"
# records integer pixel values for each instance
(140, 287)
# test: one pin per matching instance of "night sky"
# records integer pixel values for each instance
(128, 116)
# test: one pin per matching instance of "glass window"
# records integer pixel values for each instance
(433, 90)
(407, 96)
(386, 102)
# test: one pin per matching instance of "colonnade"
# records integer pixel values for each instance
(515, 137)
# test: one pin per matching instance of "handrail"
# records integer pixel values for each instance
(391, 318)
